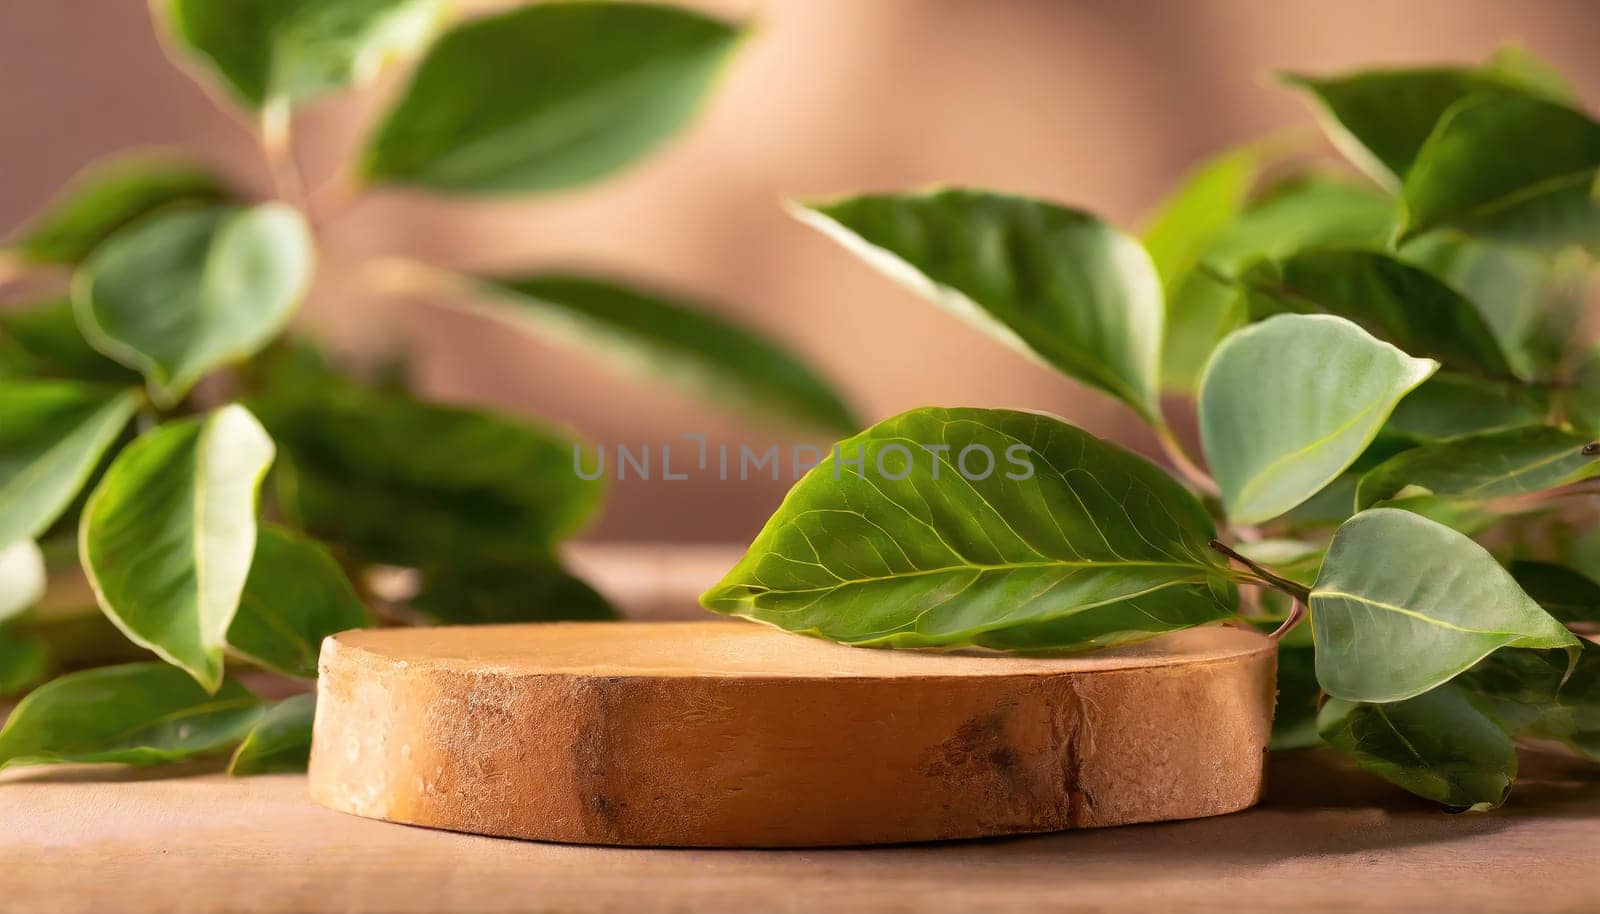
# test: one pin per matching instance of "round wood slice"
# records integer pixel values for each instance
(733, 734)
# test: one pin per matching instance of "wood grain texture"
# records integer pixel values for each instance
(1324, 839)
(732, 734)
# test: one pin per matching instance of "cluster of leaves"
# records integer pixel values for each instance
(1388, 385)
(143, 408)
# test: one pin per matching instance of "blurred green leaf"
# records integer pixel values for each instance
(547, 97)
(1569, 595)
(44, 342)
(1392, 300)
(1494, 465)
(284, 52)
(181, 294)
(491, 593)
(1403, 604)
(1204, 306)
(1207, 200)
(1449, 406)
(24, 659)
(108, 195)
(52, 435)
(1480, 172)
(280, 741)
(295, 596)
(1056, 284)
(137, 714)
(1581, 399)
(1436, 745)
(1294, 720)
(168, 535)
(664, 338)
(1288, 404)
(469, 484)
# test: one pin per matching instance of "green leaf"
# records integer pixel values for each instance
(1479, 172)
(1056, 284)
(1208, 199)
(284, 52)
(1203, 307)
(22, 577)
(1287, 404)
(480, 593)
(1437, 745)
(44, 342)
(1381, 119)
(52, 435)
(280, 741)
(1392, 300)
(1574, 717)
(24, 660)
(181, 294)
(1517, 688)
(136, 714)
(1403, 604)
(295, 596)
(1569, 595)
(1513, 63)
(1092, 546)
(549, 96)
(1495, 465)
(665, 338)
(468, 484)
(1294, 719)
(108, 195)
(1448, 406)
(168, 535)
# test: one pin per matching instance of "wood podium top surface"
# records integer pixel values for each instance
(1326, 839)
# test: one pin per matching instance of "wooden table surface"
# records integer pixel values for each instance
(1326, 839)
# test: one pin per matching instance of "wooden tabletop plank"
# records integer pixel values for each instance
(1326, 839)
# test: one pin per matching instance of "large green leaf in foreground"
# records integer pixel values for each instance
(1404, 604)
(1064, 542)
(1287, 404)
(280, 740)
(180, 294)
(1054, 283)
(666, 339)
(548, 96)
(52, 434)
(137, 714)
(168, 535)
(1437, 745)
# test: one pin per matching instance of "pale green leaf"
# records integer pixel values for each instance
(136, 714)
(284, 52)
(1206, 201)
(1057, 284)
(1404, 604)
(52, 435)
(22, 577)
(1495, 465)
(660, 337)
(1065, 542)
(295, 596)
(549, 96)
(280, 741)
(1287, 404)
(168, 535)
(181, 294)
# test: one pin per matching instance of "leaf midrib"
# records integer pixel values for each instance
(1379, 604)
(1202, 570)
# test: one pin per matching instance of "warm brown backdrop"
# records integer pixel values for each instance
(1100, 104)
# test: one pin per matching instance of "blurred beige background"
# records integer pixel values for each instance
(1096, 104)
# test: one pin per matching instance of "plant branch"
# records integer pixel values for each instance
(1297, 614)
(277, 146)
(1182, 462)
(1265, 575)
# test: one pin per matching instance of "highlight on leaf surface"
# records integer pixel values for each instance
(168, 535)
(1061, 542)
(1403, 604)
(548, 96)
(1287, 404)
(1056, 284)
